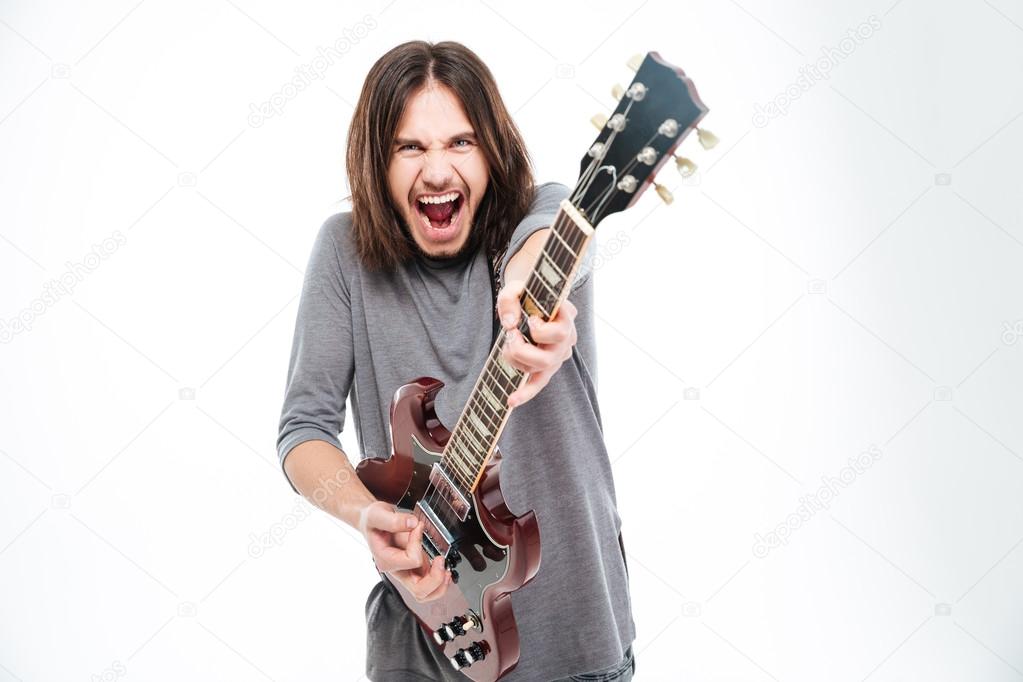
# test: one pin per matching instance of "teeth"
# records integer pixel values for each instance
(443, 199)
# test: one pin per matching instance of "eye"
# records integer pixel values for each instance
(462, 143)
(408, 148)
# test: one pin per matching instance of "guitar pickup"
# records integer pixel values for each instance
(450, 492)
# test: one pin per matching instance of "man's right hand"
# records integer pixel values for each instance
(396, 542)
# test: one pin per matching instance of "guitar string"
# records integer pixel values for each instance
(456, 470)
(475, 400)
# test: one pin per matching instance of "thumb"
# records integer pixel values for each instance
(508, 307)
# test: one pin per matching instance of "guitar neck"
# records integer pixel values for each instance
(479, 427)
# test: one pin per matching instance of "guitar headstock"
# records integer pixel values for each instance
(658, 109)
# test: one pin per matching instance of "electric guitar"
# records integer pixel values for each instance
(450, 479)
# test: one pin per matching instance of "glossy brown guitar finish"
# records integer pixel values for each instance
(497, 551)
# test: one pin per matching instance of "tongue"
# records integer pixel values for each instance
(438, 213)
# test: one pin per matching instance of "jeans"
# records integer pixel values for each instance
(619, 672)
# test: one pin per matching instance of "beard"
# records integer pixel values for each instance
(471, 245)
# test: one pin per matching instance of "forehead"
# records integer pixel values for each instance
(433, 111)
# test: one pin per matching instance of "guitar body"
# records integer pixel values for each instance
(491, 551)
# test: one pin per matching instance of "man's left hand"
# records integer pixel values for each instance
(554, 341)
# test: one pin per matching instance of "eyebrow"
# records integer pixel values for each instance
(469, 135)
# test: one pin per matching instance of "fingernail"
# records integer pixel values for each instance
(410, 522)
(508, 320)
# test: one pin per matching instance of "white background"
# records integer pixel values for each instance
(847, 276)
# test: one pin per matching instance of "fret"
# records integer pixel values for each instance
(486, 411)
(561, 261)
(482, 428)
(573, 236)
(459, 477)
(486, 424)
(565, 243)
(538, 304)
(507, 381)
(576, 237)
(480, 446)
(489, 372)
(499, 383)
(461, 461)
(562, 252)
(549, 264)
(503, 365)
(536, 275)
(485, 397)
(489, 396)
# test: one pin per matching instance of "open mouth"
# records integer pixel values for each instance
(440, 212)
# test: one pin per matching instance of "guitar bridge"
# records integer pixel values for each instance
(433, 530)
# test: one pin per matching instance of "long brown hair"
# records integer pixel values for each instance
(380, 240)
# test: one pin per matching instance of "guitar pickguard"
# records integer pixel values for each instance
(474, 557)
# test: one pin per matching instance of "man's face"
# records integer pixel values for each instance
(437, 174)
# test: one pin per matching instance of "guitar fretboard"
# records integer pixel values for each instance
(475, 435)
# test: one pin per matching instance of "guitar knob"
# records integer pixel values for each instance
(448, 631)
(453, 559)
(476, 651)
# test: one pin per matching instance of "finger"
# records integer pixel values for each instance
(508, 306)
(423, 586)
(556, 331)
(527, 357)
(439, 592)
(378, 516)
(569, 309)
(529, 389)
(410, 556)
(394, 559)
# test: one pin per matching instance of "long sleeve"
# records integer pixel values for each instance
(544, 208)
(322, 363)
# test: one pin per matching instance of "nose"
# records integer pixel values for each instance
(437, 168)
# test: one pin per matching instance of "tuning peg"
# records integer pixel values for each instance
(708, 139)
(664, 193)
(685, 166)
(617, 91)
(634, 62)
(599, 121)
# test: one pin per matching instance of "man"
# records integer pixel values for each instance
(401, 287)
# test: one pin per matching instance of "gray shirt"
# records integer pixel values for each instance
(369, 332)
